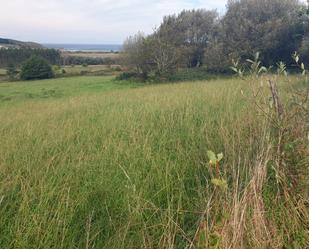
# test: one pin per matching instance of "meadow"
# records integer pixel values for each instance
(92, 54)
(91, 162)
(77, 70)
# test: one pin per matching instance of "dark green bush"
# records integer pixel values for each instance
(196, 74)
(126, 76)
(36, 68)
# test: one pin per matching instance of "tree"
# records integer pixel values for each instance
(136, 54)
(303, 32)
(164, 55)
(36, 68)
(275, 28)
(154, 54)
(190, 31)
(215, 58)
(267, 26)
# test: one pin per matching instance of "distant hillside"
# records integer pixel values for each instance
(9, 43)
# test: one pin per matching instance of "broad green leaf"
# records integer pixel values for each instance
(302, 66)
(212, 157)
(220, 157)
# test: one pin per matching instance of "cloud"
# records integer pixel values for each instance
(88, 21)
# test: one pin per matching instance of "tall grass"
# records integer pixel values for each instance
(129, 168)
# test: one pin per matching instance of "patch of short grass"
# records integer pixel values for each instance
(58, 88)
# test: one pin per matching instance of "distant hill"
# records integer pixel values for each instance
(9, 43)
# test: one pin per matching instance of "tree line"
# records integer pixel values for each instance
(203, 38)
(17, 56)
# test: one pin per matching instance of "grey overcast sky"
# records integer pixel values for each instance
(88, 21)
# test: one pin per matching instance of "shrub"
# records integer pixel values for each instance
(126, 76)
(191, 74)
(117, 68)
(36, 68)
(56, 68)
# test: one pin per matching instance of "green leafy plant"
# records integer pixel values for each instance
(281, 69)
(237, 69)
(214, 161)
(299, 64)
(256, 69)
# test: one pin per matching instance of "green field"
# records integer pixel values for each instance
(91, 69)
(92, 54)
(2, 72)
(53, 89)
(90, 162)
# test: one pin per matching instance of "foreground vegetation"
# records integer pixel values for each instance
(89, 162)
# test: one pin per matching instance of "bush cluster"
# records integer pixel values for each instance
(36, 68)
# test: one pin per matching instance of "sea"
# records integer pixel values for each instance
(85, 47)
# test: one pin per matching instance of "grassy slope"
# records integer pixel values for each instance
(91, 165)
(57, 88)
(2, 71)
